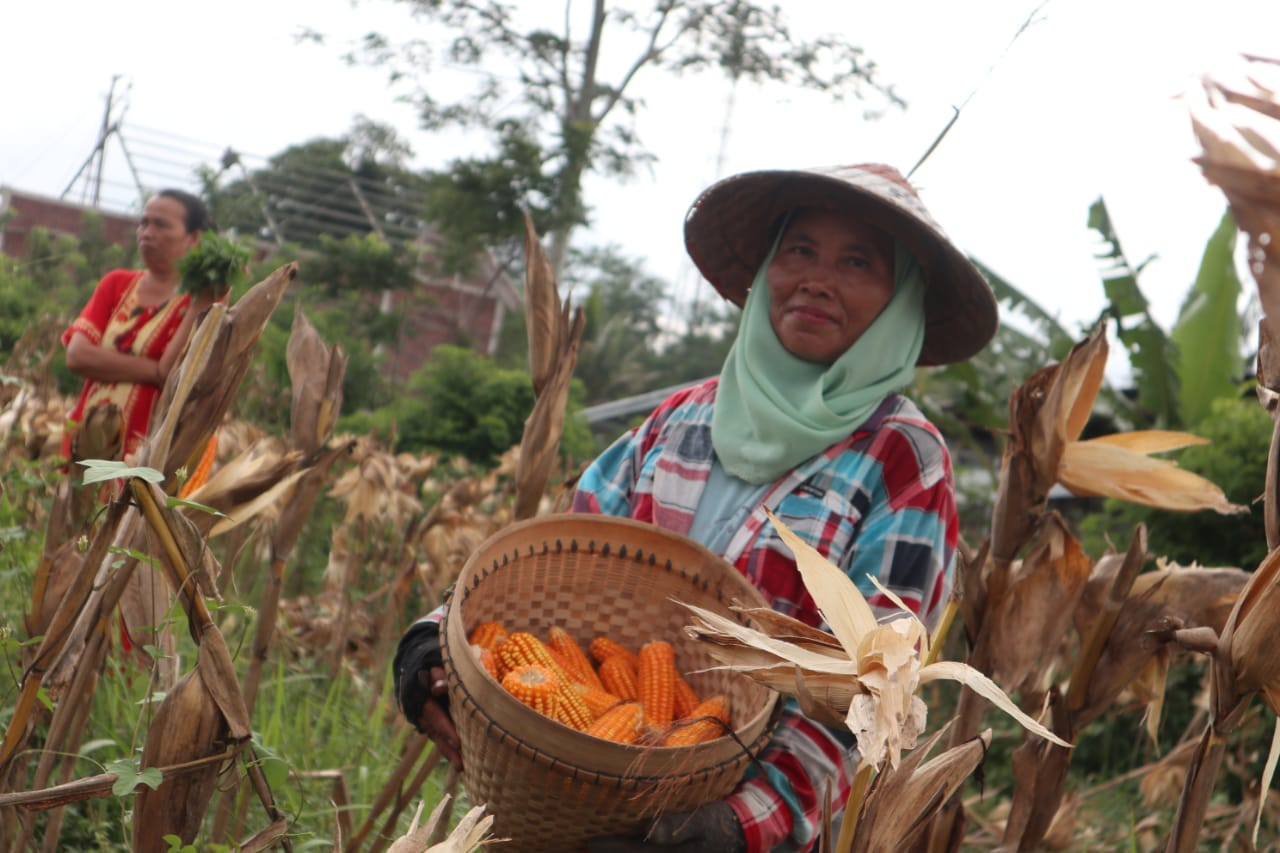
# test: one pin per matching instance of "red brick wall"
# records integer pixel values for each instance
(442, 313)
(20, 212)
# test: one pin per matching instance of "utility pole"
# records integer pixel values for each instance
(92, 168)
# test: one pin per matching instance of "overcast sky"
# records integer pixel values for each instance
(1084, 104)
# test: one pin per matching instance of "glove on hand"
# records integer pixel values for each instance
(422, 690)
(710, 828)
(418, 653)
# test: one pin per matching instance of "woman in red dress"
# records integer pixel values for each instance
(134, 327)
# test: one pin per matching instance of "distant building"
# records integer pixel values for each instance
(22, 211)
(466, 311)
(440, 309)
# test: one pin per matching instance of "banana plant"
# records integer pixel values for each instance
(1177, 374)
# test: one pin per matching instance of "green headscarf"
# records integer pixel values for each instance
(774, 410)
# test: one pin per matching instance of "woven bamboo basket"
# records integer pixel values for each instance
(549, 786)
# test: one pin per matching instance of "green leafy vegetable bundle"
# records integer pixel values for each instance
(215, 265)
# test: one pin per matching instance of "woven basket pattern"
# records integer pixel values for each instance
(551, 787)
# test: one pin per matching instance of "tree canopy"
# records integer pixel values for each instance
(556, 95)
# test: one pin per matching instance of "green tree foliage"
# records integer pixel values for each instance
(328, 187)
(623, 307)
(476, 205)
(1239, 434)
(561, 86)
(701, 348)
(461, 403)
(359, 263)
(43, 292)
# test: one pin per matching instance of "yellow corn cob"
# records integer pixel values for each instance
(486, 635)
(489, 661)
(686, 698)
(577, 666)
(535, 686)
(521, 648)
(656, 683)
(602, 648)
(619, 677)
(708, 721)
(622, 724)
(598, 700)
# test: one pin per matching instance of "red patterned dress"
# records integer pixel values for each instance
(113, 318)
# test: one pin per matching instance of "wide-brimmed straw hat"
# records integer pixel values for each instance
(728, 232)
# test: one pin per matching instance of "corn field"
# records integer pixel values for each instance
(173, 683)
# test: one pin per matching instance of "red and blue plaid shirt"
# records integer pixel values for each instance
(878, 504)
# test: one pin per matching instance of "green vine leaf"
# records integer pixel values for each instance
(129, 776)
(99, 470)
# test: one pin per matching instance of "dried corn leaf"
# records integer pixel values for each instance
(1045, 411)
(1095, 468)
(213, 658)
(989, 690)
(756, 648)
(1268, 773)
(1151, 440)
(1075, 387)
(1250, 632)
(297, 505)
(785, 628)
(270, 500)
(838, 599)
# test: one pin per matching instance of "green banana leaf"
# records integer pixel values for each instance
(1207, 333)
(1152, 355)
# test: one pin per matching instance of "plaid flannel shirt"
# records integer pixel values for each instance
(878, 504)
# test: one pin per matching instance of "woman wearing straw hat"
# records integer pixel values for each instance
(846, 285)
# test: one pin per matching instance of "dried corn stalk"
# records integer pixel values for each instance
(1243, 664)
(1238, 125)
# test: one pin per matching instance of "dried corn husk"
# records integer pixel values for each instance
(871, 681)
(901, 802)
(188, 725)
(1027, 632)
(1238, 127)
(470, 833)
(554, 333)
